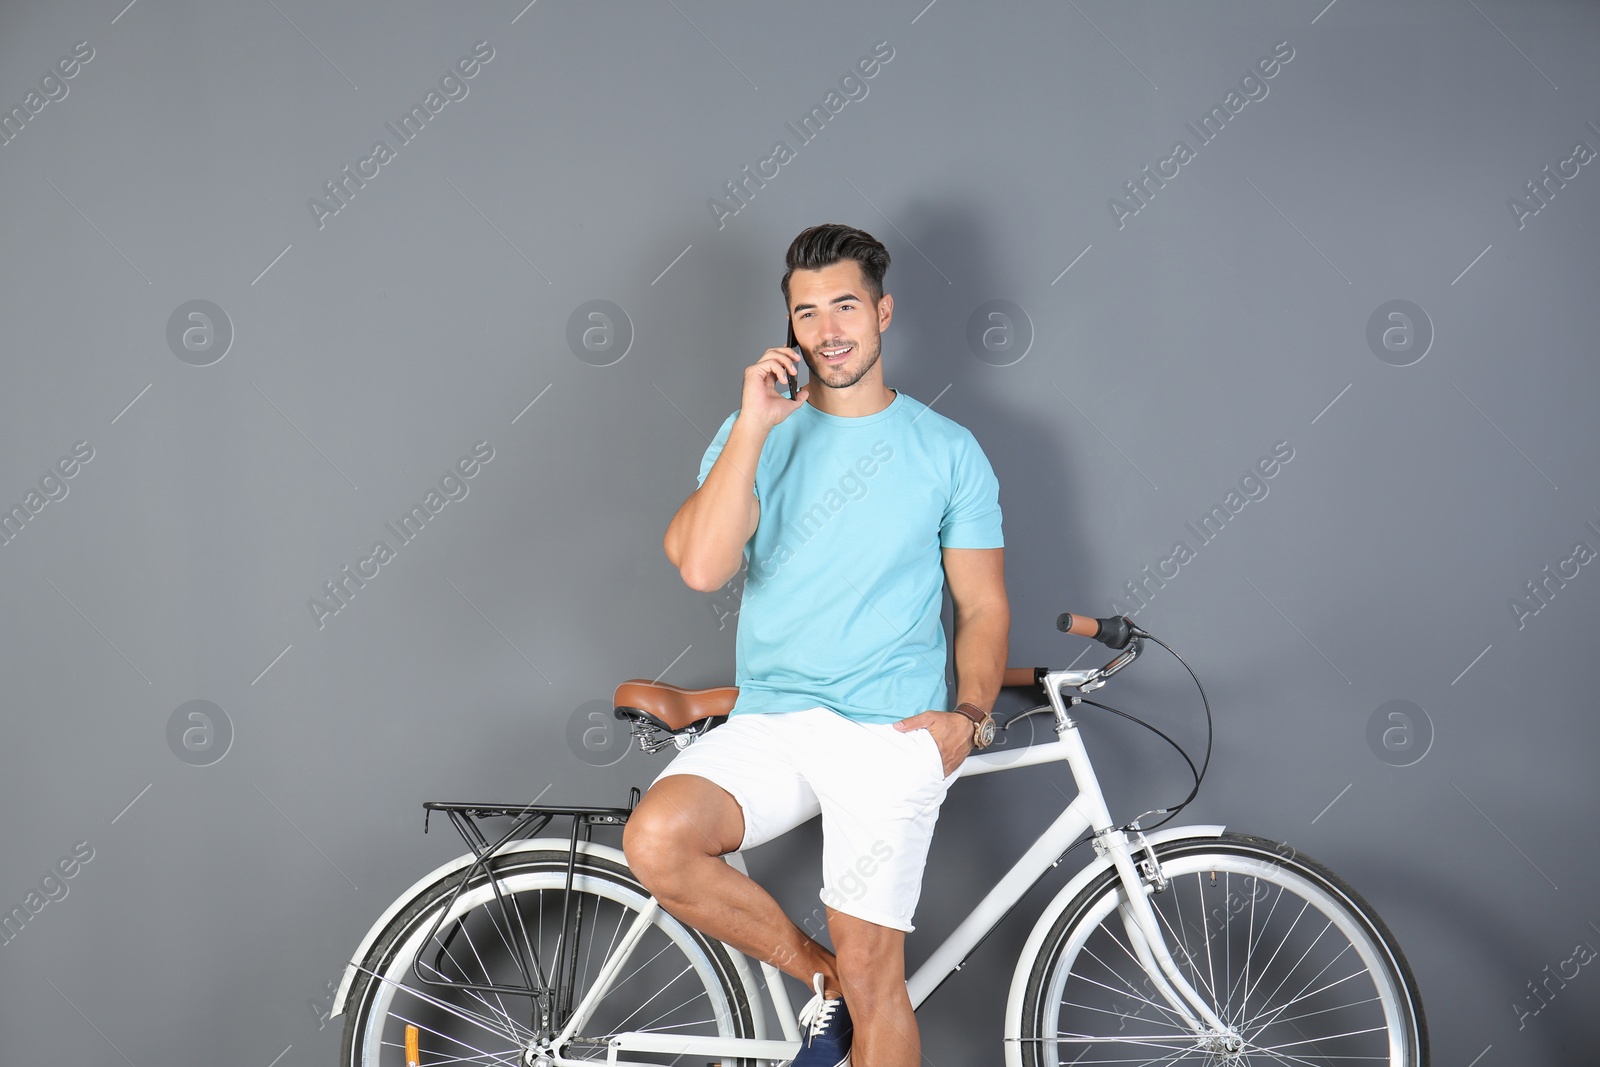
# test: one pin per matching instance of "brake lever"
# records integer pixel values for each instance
(1125, 657)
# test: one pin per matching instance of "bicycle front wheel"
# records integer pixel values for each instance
(1285, 953)
(490, 975)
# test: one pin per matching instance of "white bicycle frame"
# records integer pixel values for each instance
(1087, 813)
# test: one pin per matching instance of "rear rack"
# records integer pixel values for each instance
(530, 820)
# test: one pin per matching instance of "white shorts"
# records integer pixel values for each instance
(878, 790)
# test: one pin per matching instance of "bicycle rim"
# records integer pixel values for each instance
(675, 981)
(1282, 951)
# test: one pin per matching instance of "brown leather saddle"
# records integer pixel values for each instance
(671, 709)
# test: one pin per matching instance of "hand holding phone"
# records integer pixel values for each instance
(790, 384)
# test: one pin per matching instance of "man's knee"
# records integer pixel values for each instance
(679, 820)
(651, 841)
(871, 958)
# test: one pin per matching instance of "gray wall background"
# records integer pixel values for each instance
(1141, 370)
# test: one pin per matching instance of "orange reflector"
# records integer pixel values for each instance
(413, 1058)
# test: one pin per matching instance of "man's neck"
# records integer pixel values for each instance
(867, 397)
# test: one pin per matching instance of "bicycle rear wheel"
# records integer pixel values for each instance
(450, 979)
(1282, 950)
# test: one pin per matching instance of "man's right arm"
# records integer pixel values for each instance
(706, 538)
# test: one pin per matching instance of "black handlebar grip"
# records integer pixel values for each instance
(1115, 631)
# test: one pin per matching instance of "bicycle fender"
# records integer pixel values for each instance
(1057, 905)
(460, 863)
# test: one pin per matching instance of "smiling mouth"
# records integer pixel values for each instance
(836, 353)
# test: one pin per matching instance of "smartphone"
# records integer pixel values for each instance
(789, 384)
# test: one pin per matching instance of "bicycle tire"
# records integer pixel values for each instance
(1281, 948)
(685, 984)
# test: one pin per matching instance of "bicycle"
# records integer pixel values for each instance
(1185, 944)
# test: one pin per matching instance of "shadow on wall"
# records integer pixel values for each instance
(1046, 557)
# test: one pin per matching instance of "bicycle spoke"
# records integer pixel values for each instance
(483, 1056)
(1180, 947)
(665, 986)
(1283, 941)
(1298, 973)
(1211, 967)
(1249, 954)
(1174, 1018)
(588, 952)
(515, 1028)
(652, 1024)
(1329, 1037)
(622, 916)
(1292, 1019)
(1296, 965)
(1316, 992)
(467, 936)
(1173, 1055)
(474, 970)
(532, 950)
(617, 984)
(461, 1013)
(1111, 1011)
(1253, 942)
(434, 1060)
(1260, 939)
(495, 915)
(1321, 1061)
(1227, 941)
(1161, 1005)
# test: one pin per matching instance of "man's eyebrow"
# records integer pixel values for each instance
(847, 298)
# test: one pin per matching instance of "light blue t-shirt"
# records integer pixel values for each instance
(845, 582)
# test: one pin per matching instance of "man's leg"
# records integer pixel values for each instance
(872, 970)
(880, 791)
(674, 842)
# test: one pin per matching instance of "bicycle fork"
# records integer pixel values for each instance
(1138, 917)
(1150, 947)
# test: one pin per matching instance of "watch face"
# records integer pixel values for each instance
(985, 733)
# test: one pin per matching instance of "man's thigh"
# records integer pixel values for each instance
(746, 761)
(880, 791)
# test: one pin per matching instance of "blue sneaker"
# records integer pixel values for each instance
(825, 1031)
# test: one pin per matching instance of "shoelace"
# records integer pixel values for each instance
(818, 1012)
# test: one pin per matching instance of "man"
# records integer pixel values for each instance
(854, 505)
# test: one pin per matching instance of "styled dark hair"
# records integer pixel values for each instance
(832, 242)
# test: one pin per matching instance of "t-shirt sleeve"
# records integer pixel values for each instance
(972, 516)
(714, 449)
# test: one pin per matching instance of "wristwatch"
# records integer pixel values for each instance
(982, 724)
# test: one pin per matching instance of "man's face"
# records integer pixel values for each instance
(836, 323)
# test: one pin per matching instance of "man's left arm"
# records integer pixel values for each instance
(977, 582)
(976, 577)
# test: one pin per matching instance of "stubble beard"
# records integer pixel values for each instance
(845, 377)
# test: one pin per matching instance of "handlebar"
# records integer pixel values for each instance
(1116, 631)
(1113, 632)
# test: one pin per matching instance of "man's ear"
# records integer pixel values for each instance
(885, 311)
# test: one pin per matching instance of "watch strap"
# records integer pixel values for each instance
(971, 711)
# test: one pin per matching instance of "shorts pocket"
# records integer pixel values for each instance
(933, 747)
